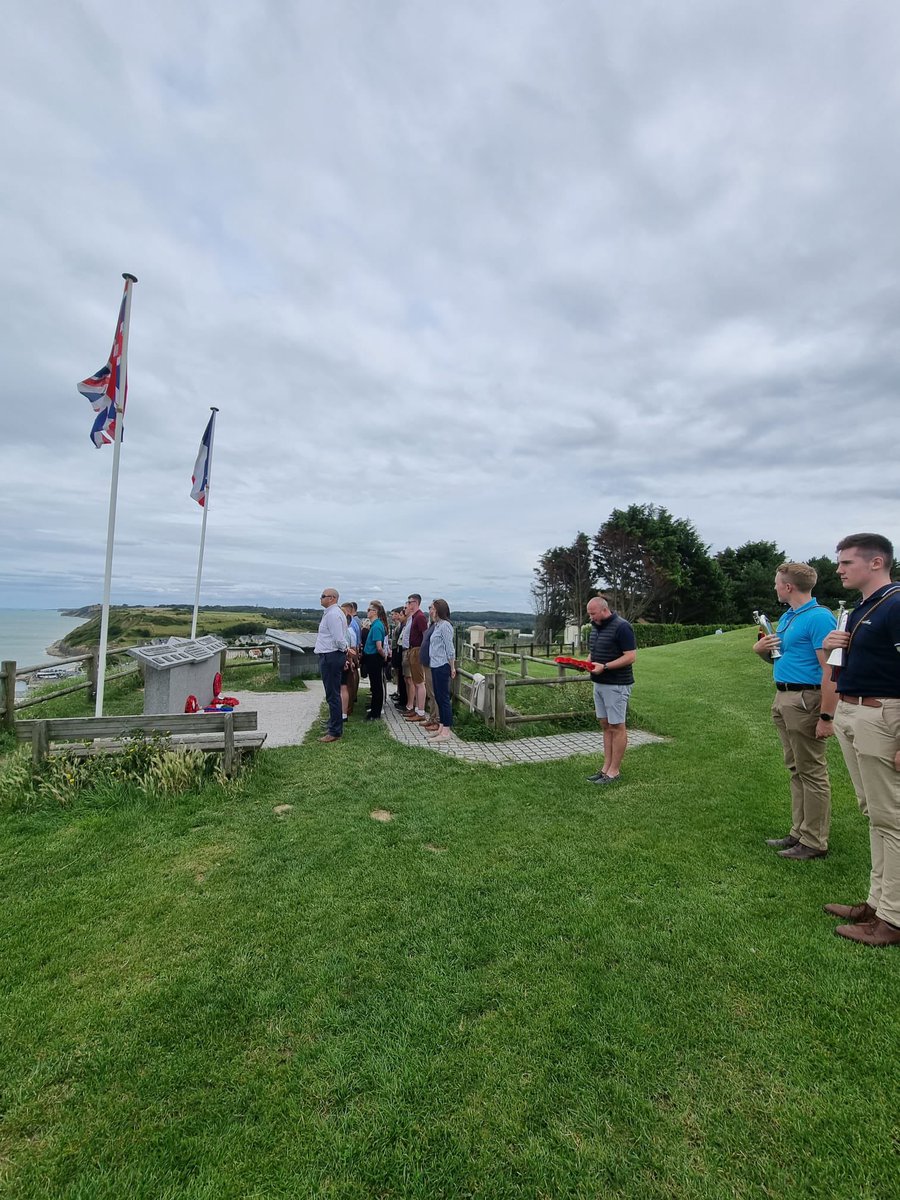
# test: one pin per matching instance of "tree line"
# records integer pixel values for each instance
(654, 566)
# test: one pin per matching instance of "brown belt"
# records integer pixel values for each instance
(866, 701)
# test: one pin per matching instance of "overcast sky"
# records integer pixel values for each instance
(461, 278)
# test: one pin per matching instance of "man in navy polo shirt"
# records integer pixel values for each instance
(803, 708)
(867, 723)
(613, 651)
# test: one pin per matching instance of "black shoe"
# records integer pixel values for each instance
(607, 779)
(784, 843)
(596, 778)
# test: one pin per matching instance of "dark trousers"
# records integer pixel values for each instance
(440, 678)
(375, 667)
(331, 667)
(399, 676)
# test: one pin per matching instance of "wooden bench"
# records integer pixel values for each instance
(228, 734)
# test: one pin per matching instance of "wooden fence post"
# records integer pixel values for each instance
(476, 653)
(40, 744)
(91, 667)
(223, 655)
(496, 657)
(523, 666)
(228, 745)
(500, 701)
(8, 714)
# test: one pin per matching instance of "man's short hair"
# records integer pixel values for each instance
(869, 544)
(800, 574)
(415, 596)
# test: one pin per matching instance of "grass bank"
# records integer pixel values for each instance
(520, 986)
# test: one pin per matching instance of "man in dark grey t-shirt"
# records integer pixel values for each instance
(613, 651)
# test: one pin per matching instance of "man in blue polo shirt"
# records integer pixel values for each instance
(803, 708)
(867, 723)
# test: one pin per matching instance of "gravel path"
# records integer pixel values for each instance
(286, 718)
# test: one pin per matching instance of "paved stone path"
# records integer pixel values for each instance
(286, 718)
(500, 754)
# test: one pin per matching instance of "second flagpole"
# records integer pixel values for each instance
(209, 450)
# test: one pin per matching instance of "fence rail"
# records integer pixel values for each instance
(10, 672)
(493, 707)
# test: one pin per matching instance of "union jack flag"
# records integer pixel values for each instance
(103, 388)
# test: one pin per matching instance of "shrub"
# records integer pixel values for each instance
(664, 635)
(147, 763)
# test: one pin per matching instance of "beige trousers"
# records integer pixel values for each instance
(795, 715)
(431, 707)
(870, 737)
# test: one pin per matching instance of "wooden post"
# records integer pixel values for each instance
(223, 655)
(496, 657)
(228, 752)
(40, 744)
(523, 666)
(560, 671)
(92, 667)
(8, 715)
(476, 653)
(500, 701)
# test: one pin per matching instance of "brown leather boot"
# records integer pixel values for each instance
(855, 913)
(871, 933)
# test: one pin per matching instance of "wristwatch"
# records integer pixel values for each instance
(826, 717)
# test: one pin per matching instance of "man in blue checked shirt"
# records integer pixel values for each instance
(331, 647)
(803, 708)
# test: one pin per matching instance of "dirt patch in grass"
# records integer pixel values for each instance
(381, 814)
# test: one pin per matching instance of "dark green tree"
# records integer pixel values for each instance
(829, 590)
(563, 584)
(656, 562)
(750, 571)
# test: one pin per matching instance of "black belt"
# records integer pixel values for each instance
(798, 687)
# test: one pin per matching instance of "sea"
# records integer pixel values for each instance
(25, 634)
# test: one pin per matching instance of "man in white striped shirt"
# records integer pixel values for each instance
(331, 647)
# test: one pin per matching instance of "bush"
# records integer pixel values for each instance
(664, 635)
(147, 763)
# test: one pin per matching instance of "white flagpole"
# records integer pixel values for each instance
(113, 492)
(209, 450)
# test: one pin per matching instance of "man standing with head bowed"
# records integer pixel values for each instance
(331, 647)
(613, 651)
(867, 724)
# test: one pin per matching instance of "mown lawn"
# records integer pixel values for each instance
(521, 986)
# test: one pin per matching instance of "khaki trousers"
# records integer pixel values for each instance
(869, 738)
(795, 715)
(431, 707)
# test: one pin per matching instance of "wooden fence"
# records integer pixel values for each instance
(497, 683)
(10, 672)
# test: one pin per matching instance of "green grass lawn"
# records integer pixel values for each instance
(521, 986)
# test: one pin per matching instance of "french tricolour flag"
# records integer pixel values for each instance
(200, 478)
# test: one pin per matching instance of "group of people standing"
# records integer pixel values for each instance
(418, 653)
(858, 700)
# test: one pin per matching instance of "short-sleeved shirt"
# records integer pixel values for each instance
(872, 662)
(802, 632)
(609, 641)
(376, 634)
